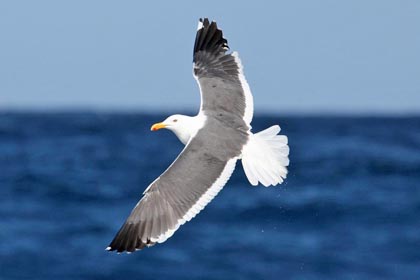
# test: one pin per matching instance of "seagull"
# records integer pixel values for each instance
(215, 139)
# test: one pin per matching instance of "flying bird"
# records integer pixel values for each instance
(215, 139)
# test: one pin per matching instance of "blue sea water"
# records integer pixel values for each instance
(349, 209)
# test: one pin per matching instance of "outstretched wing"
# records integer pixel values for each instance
(220, 76)
(184, 189)
(208, 160)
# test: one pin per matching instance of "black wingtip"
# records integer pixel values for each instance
(209, 38)
(127, 240)
(204, 21)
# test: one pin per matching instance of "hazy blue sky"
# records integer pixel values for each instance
(299, 56)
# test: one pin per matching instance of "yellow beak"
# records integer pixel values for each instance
(157, 126)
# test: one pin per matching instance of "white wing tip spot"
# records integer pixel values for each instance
(200, 25)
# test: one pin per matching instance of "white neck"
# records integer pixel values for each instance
(187, 127)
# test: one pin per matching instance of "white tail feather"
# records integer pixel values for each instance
(265, 157)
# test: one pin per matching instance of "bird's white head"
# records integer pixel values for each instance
(184, 127)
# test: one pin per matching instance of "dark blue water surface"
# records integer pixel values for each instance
(350, 208)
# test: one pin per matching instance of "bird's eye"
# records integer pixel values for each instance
(175, 120)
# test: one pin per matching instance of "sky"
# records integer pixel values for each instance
(299, 56)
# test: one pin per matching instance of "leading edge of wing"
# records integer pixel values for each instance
(220, 75)
(173, 199)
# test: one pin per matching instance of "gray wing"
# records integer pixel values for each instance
(222, 83)
(184, 189)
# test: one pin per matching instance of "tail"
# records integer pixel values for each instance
(265, 157)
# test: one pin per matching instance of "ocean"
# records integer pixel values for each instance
(349, 209)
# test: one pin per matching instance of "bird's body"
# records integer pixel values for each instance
(215, 139)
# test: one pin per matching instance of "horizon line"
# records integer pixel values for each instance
(154, 111)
